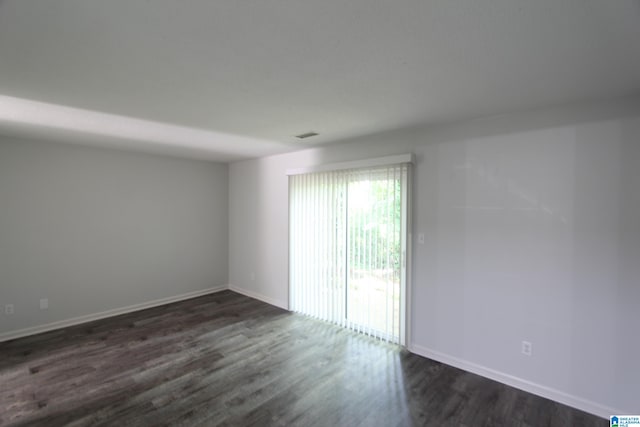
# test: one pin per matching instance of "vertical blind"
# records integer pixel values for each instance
(347, 248)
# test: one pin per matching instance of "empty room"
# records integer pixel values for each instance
(320, 213)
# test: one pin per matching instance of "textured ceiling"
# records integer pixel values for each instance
(265, 71)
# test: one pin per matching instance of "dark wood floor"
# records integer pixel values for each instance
(228, 360)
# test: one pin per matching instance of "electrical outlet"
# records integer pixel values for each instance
(421, 238)
(527, 348)
(8, 309)
(44, 303)
(253, 276)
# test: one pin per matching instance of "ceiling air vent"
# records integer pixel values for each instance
(306, 135)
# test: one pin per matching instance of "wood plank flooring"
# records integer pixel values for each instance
(228, 360)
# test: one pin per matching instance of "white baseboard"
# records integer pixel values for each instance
(528, 386)
(6, 336)
(519, 383)
(260, 297)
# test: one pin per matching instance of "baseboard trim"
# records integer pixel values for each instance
(519, 383)
(259, 296)
(513, 381)
(20, 333)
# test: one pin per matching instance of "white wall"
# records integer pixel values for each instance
(532, 233)
(95, 229)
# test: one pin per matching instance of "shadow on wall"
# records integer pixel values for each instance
(403, 140)
(627, 314)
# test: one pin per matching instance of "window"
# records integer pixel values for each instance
(348, 243)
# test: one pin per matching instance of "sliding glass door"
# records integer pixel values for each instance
(348, 248)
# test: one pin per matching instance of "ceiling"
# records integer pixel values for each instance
(232, 79)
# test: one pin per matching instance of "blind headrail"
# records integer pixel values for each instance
(355, 164)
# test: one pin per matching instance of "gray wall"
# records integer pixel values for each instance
(95, 229)
(531, 225)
